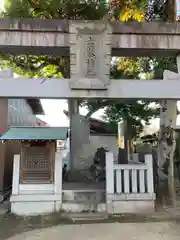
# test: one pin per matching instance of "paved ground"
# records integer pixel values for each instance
(125, 231)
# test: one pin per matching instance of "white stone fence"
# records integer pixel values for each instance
(129, 188)
(21, 188)
(33, 199)
(129, 182)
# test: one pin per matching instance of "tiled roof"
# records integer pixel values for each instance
(35, 133)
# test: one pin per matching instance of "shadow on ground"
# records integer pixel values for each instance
(11, 225)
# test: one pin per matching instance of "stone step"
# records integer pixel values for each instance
(91, 196)
(79, 176)
(83, 207)
(86, 216)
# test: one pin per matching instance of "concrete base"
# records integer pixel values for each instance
(81, 196)
(82, 207)
(45, 207)
(32, 208)
(130, 203)
(31, 205)
(38, 208)
(132, 207)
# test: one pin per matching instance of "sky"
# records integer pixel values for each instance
(54, 112)
(1, 4)
(54, 109)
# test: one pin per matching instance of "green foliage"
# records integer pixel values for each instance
(56, 9)
(162, 63)
(136, 113)
(48, 9)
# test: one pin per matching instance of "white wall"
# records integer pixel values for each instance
(106, 141)
(20, 113)
(109, 142)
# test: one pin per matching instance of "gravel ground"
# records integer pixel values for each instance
(11, 225)
(125, 231)
(164, 224)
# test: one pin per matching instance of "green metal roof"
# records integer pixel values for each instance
(35, 133)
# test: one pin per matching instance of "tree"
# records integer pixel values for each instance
(162, 63)
(56, 9)
(136, 113)
(132, 10)
(34, 66)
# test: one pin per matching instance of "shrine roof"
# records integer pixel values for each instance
(35, 133)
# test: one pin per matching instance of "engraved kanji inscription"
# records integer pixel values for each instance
(91, 58)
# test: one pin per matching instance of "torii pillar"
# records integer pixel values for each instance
(3, 125)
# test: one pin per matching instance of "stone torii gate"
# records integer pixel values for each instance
(90, 45)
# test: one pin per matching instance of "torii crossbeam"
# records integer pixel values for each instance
(90, 45)
(118, 89)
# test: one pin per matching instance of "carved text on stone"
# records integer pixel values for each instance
(90, 58)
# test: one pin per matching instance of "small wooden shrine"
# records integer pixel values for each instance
(37, 151)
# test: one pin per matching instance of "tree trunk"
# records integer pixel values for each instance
(165, 192)
(170, 10)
